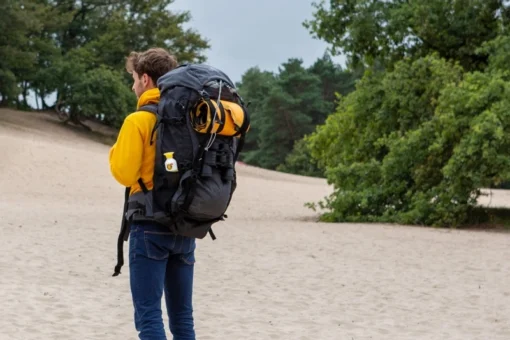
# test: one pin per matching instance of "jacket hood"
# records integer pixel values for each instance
(148, 97)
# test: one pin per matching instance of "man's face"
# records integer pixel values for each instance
(140, 84)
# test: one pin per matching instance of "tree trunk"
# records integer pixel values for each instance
(36, 96)
(25, 90)
(44, 105)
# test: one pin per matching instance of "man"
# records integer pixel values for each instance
(158, 260)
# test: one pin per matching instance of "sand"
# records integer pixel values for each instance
(272, 273)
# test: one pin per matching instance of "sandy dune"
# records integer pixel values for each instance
(272, 273)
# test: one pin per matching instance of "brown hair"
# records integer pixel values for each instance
(155, 62)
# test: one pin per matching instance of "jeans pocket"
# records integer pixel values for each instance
(157, 244)
(188, 258)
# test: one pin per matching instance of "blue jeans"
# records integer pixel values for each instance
(160, 261)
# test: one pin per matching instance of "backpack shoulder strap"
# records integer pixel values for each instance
(153, 108)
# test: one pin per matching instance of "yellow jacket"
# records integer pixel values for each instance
(132, 156)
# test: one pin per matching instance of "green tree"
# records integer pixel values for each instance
(300, 161)
(100, 36)
(254, 87)
(102, 91)
(24, 41)
(335, 81)
(139, 25)
(416, 144)
(286, 108)
(59, 46)
(395, 29)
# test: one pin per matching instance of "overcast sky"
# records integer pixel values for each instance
(263, 33)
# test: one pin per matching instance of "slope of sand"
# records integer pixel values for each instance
(273, 273)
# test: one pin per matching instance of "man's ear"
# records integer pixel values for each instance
(145, 79)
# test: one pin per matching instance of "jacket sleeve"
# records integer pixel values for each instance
(126, 154)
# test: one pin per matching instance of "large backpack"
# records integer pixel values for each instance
(200, 130)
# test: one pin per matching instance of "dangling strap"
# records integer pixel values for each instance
(142, 185)
(212, 234)
(123, 235)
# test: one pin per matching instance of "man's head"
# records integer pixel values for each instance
(146, 68)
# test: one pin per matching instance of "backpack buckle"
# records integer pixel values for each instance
(205, 94)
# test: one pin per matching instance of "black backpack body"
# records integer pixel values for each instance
(200, 130)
